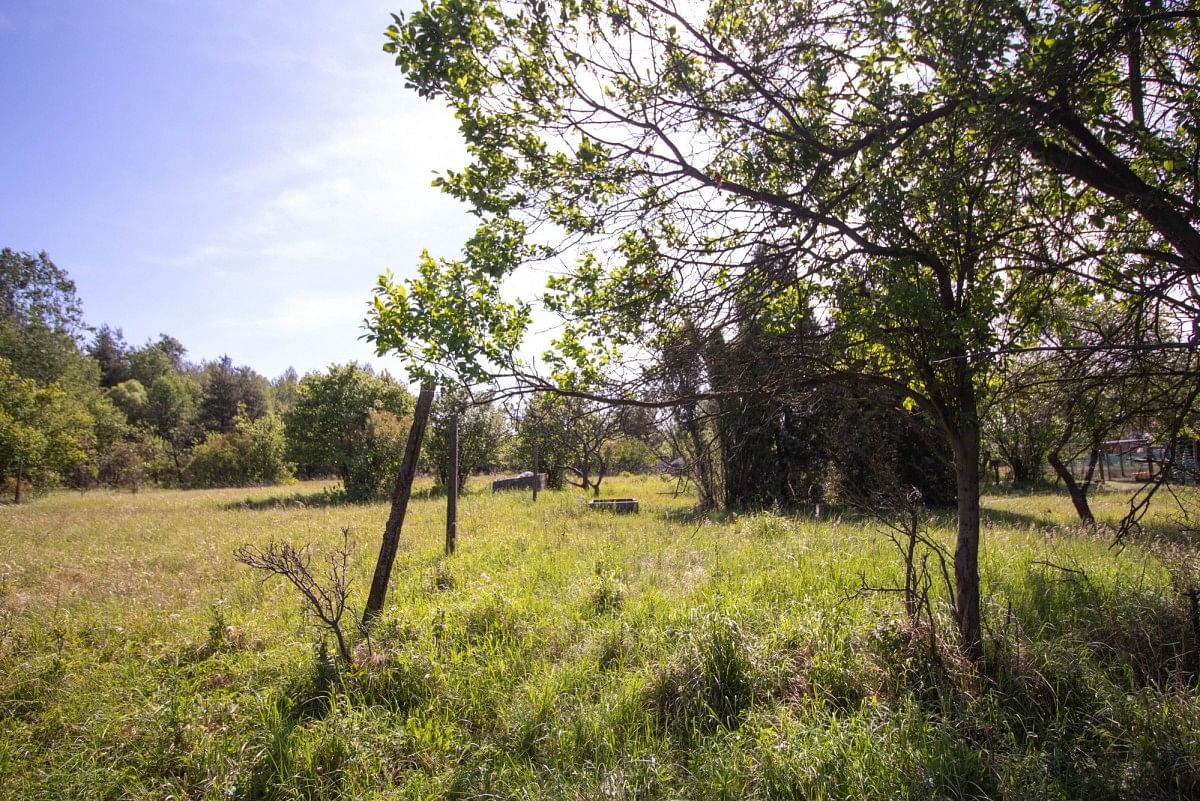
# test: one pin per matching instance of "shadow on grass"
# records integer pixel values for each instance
(327, 497)
(1158, 530)
(296, 500)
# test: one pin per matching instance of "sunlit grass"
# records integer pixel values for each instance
(572, 654)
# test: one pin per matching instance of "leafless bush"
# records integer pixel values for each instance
(901, 518)
(325, 599)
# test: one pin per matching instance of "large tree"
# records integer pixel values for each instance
(41, 319)
(44, 430)
(111, 352)
(226, 391)
(875, 156)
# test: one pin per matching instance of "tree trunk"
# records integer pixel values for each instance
(1025, 472)
(965, 444)
(1077, 492)
(400, 495)
(703, 470)
(17, 490)
(176, 462)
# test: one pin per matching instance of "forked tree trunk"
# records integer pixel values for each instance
(400, 495)
(965, 444)
(1077, 490)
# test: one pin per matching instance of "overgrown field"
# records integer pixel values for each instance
(569, 654)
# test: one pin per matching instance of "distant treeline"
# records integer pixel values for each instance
(80, 407)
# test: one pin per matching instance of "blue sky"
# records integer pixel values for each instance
(234, 174)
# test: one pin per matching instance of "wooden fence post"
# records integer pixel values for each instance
(537, 476)
(452, 485)
(400, 495)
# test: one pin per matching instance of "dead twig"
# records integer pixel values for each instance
(326, 600)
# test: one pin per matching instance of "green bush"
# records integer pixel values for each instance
(352, 422)
(252, 454)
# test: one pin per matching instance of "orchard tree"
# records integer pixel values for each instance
(574, 438)
(1023, 420)
(350, 420)
(876, 157)
(482, 434)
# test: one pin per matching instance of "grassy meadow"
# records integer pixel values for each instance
(563, 653)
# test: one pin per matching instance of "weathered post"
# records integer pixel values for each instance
(452, 485)
(537, 475)
(400, 495)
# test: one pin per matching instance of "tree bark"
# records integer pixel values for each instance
(965, 444)
(17, 490)
(400, 495)
(1077, 491)
(1100, 168)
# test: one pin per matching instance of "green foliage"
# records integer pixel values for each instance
(252, 454)
(111, 352)
(44, 431)
(352, 421)
(482, 437)
(284, 390)
(41, 320)
(171, 405)
(629, 454)
(226, 393)
(127, 463)
(580, 442)
(131, 398)
(149, 364)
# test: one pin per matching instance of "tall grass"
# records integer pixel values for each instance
(563, 653)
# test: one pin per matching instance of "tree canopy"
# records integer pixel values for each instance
(349, 419)
(923, 181)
